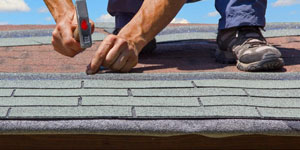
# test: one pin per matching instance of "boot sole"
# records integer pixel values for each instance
(263, 65)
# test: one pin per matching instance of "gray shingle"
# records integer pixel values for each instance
(6, 92)
(201, 112)
(280, 113)
(38, 101)
(140, 101)
(276, 84)
(135, 84)
(188, 92)
(3, 112)
(251, 101)
(274, 93)
(40, 83)
(17, 42)
(71, 92)
(69, 112)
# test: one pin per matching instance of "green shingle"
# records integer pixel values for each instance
(188, 92)
(6, 92)
(274, 93)
(69, 112)
(40, 84)
(38, 101)
(280, 113)
(251, 101)
(277, 84)
(71, 92)
(140, 101)
(202, 112)
(169, 112)
(3, 112)
(135, 84)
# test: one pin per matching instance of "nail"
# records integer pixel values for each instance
(89, 70)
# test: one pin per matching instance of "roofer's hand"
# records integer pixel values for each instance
(115, 53)
(64, 13)
(63, 40)
(120, 53)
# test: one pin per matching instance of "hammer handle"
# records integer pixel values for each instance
(76, 35)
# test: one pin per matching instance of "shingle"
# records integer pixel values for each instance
(40, 83)
(250, 101)
(17, 42)
(69, 112)
(6, 92)
(200, 112)
(3, 112)
(169, 112)
(71, 92)
(280, 113)
(188, 92)
(140, 101)
(38, 101)
(274, 93)
(135, 84)
(276, 84)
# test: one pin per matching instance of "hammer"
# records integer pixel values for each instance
(83, 31)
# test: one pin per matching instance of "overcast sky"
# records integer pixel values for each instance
(35, 12)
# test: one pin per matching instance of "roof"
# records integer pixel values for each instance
(182, 92)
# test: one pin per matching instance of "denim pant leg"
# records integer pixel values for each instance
(123, 10)
(235, 13)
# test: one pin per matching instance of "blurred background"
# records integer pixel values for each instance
(35, 12)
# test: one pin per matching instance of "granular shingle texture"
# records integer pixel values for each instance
(138, 107)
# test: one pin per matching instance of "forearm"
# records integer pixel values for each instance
(153, 16)
(60, 9)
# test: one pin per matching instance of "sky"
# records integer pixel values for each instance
(35, 12)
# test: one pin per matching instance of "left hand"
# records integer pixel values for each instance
(115, 53)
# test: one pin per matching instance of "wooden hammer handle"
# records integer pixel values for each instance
(76, 35)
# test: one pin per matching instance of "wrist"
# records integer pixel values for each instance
(137, 40)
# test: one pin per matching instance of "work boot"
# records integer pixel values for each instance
(148, 49)
(250, 50)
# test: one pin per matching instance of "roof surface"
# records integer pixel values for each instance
(175, 91)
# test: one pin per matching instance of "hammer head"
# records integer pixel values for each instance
(83, 31)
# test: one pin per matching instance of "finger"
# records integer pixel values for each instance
(131, 62)
(92, 26)
(58, 46)
(101, 53)
(120, 62)
(113, 54)
(68, 40)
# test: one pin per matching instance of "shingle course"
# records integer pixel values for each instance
(188, 92)
(38, 101)
(70, 112)
(140, 101)
(71, 92)
(6, 92)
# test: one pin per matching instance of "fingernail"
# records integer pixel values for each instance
(89, 70)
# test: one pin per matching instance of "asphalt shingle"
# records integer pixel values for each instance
(250, 101)
(3, 112)
(70, 112)
(71, 92)
(139, 101)
(257, 84)
(135, 84)
(6, 92)
(189, 92)
(40, 84)
(280, 113)
(274, 93)
(198, 112)
(38, 101)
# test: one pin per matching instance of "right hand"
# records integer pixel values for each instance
(62, 36)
